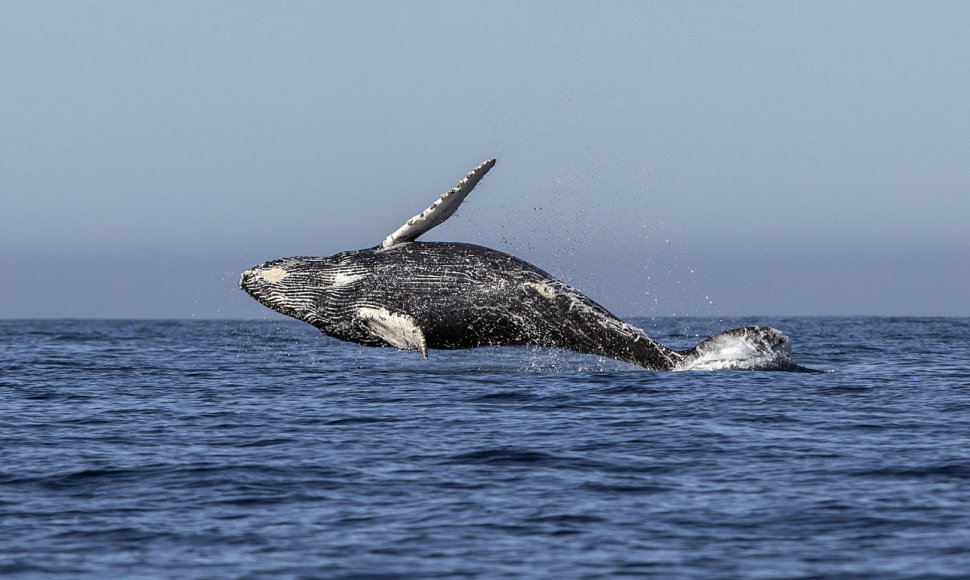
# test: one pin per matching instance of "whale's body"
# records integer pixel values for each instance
(434, 295)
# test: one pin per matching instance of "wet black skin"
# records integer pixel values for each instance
(460, 295)
(466, 296)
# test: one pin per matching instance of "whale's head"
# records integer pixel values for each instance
(313, 290)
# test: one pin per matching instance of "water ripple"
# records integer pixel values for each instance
(262, 450)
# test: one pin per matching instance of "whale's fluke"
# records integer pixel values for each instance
(440, 210)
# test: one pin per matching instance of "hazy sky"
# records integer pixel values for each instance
(762, 158)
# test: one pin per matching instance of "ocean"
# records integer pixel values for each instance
(263, 449)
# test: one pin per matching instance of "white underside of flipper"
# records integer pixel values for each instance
(397, 330)
(440, 210)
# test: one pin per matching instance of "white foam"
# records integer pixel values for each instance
(763, 349)
(544, 289)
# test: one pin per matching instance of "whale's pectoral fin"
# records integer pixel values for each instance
(440, 210)
(397, 330)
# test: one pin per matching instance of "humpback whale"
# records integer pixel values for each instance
(419, 296)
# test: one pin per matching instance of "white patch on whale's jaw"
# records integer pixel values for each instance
(272, 275)
(752, 348)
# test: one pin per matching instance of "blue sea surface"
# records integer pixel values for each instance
(262, 449)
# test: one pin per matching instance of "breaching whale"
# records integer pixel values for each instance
(435, 295)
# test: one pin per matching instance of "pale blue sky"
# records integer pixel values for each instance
(732, 158)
